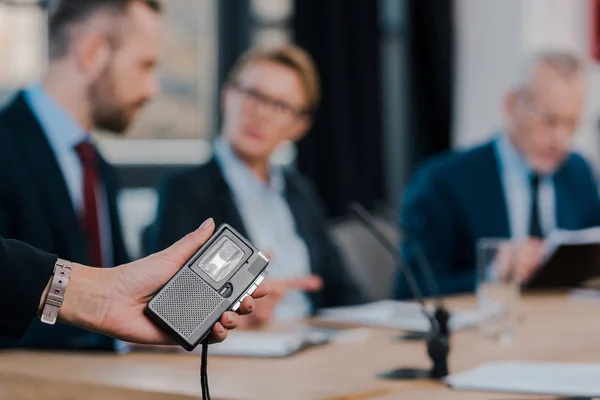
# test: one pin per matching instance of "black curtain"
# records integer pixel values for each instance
(342, 154)
(430, 76)
(234, 37)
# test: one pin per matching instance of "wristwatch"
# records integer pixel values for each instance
(56, 294)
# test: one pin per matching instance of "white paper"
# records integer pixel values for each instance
(541, 378)
(397, 315)
(580, 294)
(560, 238)
(266, 344)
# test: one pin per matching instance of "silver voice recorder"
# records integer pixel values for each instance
(225, 270)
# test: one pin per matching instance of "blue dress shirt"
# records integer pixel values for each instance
(63, 134)
(270, 225)
(515, 176)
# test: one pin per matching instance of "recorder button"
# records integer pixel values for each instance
(259, 280)
(236, 306)
(226, 290)
(252, 289)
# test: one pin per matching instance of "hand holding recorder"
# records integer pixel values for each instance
(112, 301)
(215, 280)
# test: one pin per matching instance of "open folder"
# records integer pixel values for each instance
(539, 378)
(577, 252)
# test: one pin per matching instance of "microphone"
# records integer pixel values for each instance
(442, 315)
(438, 345)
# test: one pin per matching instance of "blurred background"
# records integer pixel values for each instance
(402, 80)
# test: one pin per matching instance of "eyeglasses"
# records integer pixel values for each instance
(547, 118)
(282, 110)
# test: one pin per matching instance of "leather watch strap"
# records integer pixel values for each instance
(56, 294)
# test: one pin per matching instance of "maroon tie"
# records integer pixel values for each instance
(91, 183)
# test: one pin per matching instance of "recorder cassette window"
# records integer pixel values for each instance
(221, 260)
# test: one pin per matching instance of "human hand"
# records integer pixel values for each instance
(528, 259)
(265, 307)
(112, 300)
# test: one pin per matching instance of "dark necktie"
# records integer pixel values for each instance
(91, 185)
(535, 228)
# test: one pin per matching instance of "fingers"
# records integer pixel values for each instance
(523, 274)
(529, 259)
(260, 310)
(309, 284)
(186, 246)
(532, 249)
(313, 283)
(247, 306)
(262, 290)
(230, 320)
(263, 311)
(218, 333)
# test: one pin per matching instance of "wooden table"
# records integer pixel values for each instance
(554, 328)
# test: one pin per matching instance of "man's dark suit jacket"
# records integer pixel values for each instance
(457, 198)
(190, 197)
(21, 287)
(36, 208)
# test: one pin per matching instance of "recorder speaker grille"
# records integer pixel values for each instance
(186, 303)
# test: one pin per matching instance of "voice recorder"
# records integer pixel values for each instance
(225, 270)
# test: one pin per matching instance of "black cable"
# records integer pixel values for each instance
(204, 371)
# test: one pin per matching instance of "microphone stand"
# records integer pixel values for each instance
(441, 314)
(438, 346)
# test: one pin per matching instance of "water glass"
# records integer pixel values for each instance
(498, 290)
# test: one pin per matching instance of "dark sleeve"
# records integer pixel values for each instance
(177, 215)
(7, 188)
(4, 221)
(431, 226)
(112, 184)
(340, 286)
(24, 274)
(593, 196)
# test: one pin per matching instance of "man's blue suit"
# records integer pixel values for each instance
(457, 198)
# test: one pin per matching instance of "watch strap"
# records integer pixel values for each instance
(56, 294)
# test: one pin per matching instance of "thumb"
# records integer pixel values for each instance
(183, 249)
